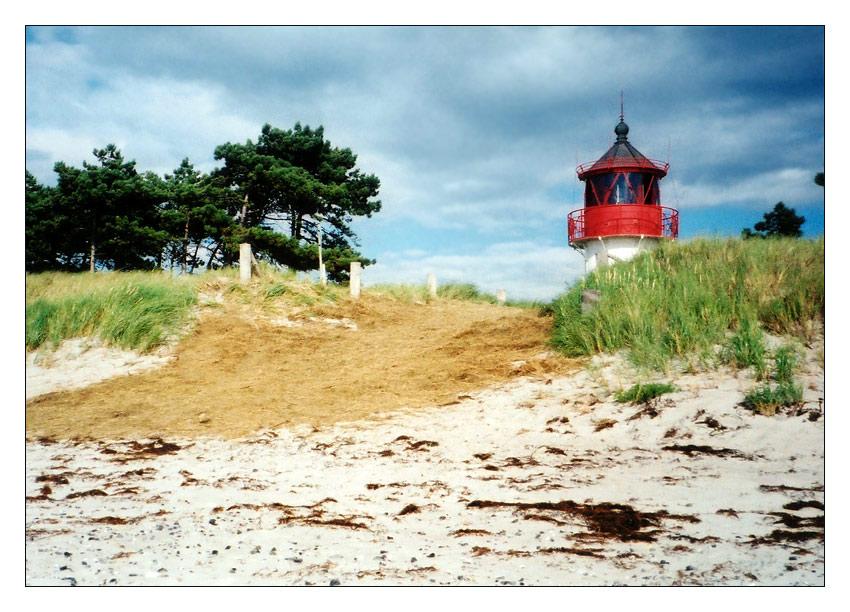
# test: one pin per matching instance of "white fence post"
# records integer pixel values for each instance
(245, 258)
(354, 280)
(432, 285)
(501, 297)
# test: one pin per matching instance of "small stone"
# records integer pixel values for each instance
(689, 568)
(212, 521)
(335, 582)
(413, 559)
(430, 555)
(215, 552)
(203, 418)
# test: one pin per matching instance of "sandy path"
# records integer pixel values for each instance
(242, 372)
(508, 486)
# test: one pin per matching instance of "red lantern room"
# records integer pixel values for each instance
(622, 211)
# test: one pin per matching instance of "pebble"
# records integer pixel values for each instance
(335, 582)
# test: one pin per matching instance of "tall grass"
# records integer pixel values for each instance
(684, 299)
(769, 397)
(419, 293)
(135, 310)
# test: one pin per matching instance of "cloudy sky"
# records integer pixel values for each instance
(474, 132)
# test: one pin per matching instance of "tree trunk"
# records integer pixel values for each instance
(91, 258)
(195, 257)
(215, 250)
(185, 247)
(244, 211)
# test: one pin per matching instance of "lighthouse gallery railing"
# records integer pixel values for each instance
(623, 220)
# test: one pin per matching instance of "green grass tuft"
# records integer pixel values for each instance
(768, 398)
(642, 393)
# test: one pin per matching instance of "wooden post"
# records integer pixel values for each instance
(589, 300)
(501, 297)
(354, 280)
(245, 257)
(432, 285)
(323, 278)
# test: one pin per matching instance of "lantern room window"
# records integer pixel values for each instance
(622, 188)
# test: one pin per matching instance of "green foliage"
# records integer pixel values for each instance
(133, 311)
(684, 299)
(781, 221)
(195, 215)
(785, 362)
(767, 398)
(295, 179)
(105, 215)
(275, 195)
(642, 393)
(745, 348)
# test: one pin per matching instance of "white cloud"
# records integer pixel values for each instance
(525, 270)
(789, 185)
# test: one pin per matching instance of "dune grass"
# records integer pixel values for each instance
(133, 310)
(783, 391)
(142, 310)
(684, 300)
(419, 293)
(642, 393)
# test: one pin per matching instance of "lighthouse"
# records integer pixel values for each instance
(622, 213)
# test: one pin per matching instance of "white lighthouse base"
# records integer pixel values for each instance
(599, 252)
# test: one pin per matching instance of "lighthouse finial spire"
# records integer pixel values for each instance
(622, 129)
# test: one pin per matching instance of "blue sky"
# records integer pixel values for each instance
(475, 132)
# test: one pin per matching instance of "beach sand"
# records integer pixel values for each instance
(543, 480)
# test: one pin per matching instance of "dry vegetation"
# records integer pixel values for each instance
(305, 355)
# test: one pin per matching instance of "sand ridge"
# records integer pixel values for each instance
(241, 371)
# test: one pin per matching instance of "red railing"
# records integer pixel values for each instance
(613, 163)
(623, 220)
